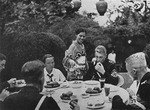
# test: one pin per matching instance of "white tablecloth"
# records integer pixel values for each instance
(114, 90)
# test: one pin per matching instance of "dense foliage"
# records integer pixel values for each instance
(30, 29)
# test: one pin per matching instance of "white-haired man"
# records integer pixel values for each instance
(140, 88)
(137, 67)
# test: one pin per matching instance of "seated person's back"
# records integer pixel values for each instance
(29, 96)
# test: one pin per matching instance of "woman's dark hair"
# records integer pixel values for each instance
(2, 57)
(79, 31)
(32, 71)
(46, 56)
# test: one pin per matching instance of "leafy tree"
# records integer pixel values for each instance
(21, 48)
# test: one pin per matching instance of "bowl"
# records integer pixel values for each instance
(76, 84)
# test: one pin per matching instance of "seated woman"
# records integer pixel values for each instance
(51, 73)
(29, 97)
(101, 67)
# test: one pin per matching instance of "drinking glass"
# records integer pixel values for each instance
(107, 91)
(102, 82)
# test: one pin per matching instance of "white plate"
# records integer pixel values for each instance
(93, 107)
(94, 94)
(92, 82)
(20, 85)
(121, 81)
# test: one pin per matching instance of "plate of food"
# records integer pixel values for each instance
(66, 97)
(96, 104)
(85, 95)
(52, 85)
(76, 84)
(92, 82)
(93, 92)
(20, 83)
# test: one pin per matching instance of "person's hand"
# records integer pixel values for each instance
(114, 73)
(100, 68)
(132, 96)
(12, 82)
(74, 105)
(72, 63)
(4, 94)
(113, 62)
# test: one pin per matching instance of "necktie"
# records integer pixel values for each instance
(50, 76)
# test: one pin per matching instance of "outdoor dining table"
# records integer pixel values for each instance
(114, 90)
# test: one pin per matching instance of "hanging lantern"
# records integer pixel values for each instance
(138, 5)
(101, 7)
(76, 4)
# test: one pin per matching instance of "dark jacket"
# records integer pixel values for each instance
(108, 66)
(144, 90)
(27, 99)
(4, 85)
(142, 94)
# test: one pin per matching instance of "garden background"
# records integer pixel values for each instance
(31, 28)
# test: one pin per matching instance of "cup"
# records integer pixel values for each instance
(107, 91)
(102, 81)
(74, 98)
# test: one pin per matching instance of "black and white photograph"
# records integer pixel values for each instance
(74, 54)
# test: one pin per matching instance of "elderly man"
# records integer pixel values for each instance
(137, 67)
(29, 97)
(139, 90)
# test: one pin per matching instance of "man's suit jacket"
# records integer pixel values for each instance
(144, 90)
(27, 99)
(4, 85)
(108, 66)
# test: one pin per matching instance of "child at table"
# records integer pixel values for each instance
(50, 73)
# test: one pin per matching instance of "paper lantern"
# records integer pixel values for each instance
(138, 5)
(101, 7)
(76, 4)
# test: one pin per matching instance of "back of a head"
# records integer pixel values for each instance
(2, 57)
(32, 71)
(137, 60)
